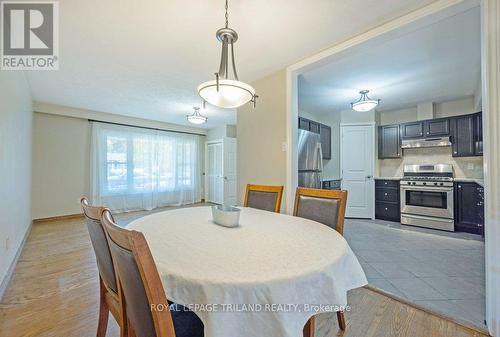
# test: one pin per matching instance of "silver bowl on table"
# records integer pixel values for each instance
(227, 216)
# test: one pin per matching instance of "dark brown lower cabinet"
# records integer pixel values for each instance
(387, 200)
(469, 207)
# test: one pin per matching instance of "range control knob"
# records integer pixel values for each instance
(413, 183)
(424, 183)
(435, 184)
(441, 184)
(409, 183)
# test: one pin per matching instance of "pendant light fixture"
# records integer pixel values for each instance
(364, 103)
(196, 117)
(226, 92)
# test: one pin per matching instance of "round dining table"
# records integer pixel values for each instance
(264, 278)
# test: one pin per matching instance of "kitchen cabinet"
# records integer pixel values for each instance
(464, 136)
(325, 133)
(389, 142)
(304, 124)
(314, 127)
(412, 130)
(331, 184)
(438, 127)
(469, 207)
(478, 134)
(387, 200)
(466, 133)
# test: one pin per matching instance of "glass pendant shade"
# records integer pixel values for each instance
(364, 103)
(225, 91)
(196, 118)
(231, 94)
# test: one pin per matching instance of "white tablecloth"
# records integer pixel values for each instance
(271, 259)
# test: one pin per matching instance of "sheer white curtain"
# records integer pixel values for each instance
(134, 168)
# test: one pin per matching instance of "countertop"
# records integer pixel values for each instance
(480, 182)
(387, 178)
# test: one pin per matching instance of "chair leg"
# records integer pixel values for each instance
(341, 319)
(131, 332)
(102, 324)
(309, 327)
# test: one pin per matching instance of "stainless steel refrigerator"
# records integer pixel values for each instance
(310, 159)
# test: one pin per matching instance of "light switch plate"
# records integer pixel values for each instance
(283, 146)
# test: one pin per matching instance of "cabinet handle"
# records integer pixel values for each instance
(459, 186)
(386, 209)
(385, 194)
(455, 152)
(385, 183)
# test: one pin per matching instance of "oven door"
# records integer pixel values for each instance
(427, 201)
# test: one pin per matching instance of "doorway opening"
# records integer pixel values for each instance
(427, 73)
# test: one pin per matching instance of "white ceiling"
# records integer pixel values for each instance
(437, 63)
(145, 58)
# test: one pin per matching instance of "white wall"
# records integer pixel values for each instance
(221, 132)
(261, 134)
(453, 108)
(61, 169)
(445, 109)
(398, 116)
(16, 118)
(61, 154)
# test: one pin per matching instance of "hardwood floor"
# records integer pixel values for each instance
(54, 292)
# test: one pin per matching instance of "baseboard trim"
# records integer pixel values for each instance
(59, 218)
(6, 280)
(455, 320)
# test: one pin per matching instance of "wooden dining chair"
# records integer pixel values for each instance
(264, 197)
(326, 207)
(109, 301)
(140, 290)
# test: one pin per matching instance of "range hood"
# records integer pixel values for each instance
(425, 142)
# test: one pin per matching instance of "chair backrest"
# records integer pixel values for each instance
(264, 197)
(324, 206)
(140, 289)
(100, 244)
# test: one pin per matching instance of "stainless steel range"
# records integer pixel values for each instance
(427, 196)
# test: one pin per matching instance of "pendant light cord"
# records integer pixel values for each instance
(227, 15)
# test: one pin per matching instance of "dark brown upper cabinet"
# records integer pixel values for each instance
(389, 142)
(437, 127)
(303, 123)
(478, 134)
(412, 130)
(325, 133)
(314, 127)
(463, 136)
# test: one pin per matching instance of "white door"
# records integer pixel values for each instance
(229, 171)
(357, 164)
(214, 181)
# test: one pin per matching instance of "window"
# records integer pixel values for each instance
(134, 167)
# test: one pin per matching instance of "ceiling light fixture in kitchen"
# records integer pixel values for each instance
(196, 117)
(364, 103)
(224, 92)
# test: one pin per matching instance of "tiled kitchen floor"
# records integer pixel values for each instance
(439, 270)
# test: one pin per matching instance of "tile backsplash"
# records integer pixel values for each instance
(464, 167)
